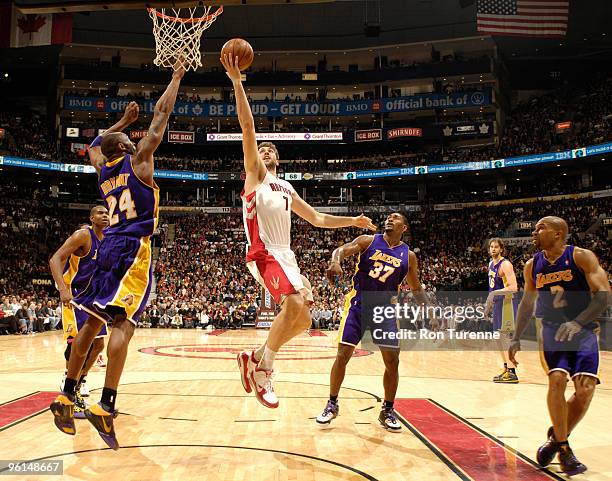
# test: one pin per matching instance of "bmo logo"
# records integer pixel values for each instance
(356, 108)
(100, 104)
(376, 106)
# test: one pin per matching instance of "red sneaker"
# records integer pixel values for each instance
(261, 381)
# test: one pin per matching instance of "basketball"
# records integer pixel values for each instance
(240, 48)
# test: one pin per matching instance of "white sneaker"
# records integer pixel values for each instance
(330, 413)
(63, 381)
(261, 381)
(388, 420)
(246, 365)
(84, 390)
(100, 361)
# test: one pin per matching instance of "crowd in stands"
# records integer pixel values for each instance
(29, 314)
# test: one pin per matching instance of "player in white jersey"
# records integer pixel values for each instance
(267, 205)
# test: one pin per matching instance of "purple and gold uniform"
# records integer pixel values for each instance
(380, 270)
(77, 273)
(504, 307)
(563, 292)
(122, 280)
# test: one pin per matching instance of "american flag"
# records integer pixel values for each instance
(528, 18)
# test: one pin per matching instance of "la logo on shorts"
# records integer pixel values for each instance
(129, 299)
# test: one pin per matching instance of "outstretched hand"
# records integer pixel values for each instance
(231, 66)
(179, 68)
(131, 112)
(364, 222)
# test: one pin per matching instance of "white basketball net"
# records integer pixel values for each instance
(177, 35)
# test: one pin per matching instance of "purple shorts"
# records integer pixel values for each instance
(353, 328)
(121, 282)
(575, 357)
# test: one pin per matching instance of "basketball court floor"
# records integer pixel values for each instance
(184, 414)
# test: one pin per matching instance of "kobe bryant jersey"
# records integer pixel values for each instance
(78, 270)
(267, 214)
(563, 291)
(380, 268)
(133, 206)
(496, 281)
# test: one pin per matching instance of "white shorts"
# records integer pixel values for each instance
(276, 269)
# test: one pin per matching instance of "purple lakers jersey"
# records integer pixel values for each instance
(380, 268)
(563, 291)
(78, 270)
(496, 282)
(133, 206)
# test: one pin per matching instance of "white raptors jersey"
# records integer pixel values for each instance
(267, 215)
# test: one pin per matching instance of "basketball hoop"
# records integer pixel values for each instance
(177, 35)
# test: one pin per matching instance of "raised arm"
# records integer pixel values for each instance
(356, 246)
(95, 152)
(77, 243)
(525, 311)
(253, 166)
(143, 160)
(319, 219)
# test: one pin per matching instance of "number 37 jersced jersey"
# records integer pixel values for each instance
(267, 214)
(133, 206)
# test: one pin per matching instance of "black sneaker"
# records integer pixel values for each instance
(546, 453)
(388, 420)
(569, 464)
(63, 414)
(103, 422)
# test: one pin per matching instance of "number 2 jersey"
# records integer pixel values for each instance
(133, 205)
(563, 291)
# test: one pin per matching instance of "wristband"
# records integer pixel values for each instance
(96, 142)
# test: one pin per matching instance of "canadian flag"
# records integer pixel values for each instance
(34, 29)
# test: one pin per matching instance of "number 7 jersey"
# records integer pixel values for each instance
(267, 215)
(133, 206)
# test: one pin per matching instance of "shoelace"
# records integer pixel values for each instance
(329, 409)
(268, 382)
(390, 415)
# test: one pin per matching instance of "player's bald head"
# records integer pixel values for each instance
(557, 224)
(98, 209)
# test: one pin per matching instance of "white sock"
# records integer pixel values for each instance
(267, 361)
(259, 352)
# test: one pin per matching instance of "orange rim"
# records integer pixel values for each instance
(206, 18)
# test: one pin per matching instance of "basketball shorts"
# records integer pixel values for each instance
(575, 357)
(276, 269)
(504, 313)
(73, 320)
(121, 282)
(353, 327)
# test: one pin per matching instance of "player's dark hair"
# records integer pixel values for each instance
(500, 243)
(271, 145)
(110, 145)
